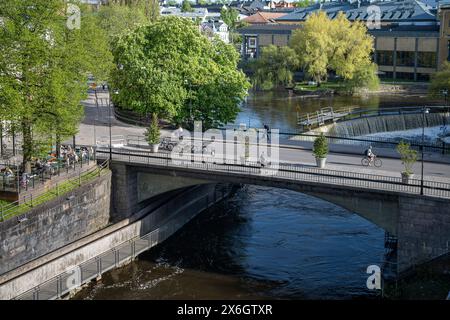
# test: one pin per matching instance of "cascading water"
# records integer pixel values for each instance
(384, 123)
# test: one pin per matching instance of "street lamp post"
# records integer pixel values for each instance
(110, 137)
(424, 111)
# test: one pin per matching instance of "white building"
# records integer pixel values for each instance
(216, 28)
(199, 14)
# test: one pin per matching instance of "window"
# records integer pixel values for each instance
(404, 75)
(423, 77)
(252, 42)
(386, 74)
(405, 58)
(385, 58)
(426, 59)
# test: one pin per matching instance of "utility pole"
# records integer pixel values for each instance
(424, 111)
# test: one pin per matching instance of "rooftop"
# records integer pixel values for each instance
(263, 17)
(392, 11)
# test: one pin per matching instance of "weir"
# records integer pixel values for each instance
(383, 123)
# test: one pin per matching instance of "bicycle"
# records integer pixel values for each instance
(366, 161)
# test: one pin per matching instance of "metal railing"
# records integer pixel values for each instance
(93, 268)
(382, 142)
(27, 202)
(36, 179)
(289, 172)
(317, 118)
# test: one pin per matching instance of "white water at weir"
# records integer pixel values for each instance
(431, 134)
(386, 124)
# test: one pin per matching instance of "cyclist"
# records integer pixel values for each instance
(369, 154)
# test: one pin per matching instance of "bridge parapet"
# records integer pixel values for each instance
(422, 223)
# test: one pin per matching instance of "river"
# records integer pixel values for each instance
(279, 110)
(261, 242)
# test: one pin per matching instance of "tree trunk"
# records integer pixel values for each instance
(27, 146)
(58, 146)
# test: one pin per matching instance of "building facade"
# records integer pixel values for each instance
(411, 40)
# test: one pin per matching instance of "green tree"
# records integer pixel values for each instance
(320, 146)
(186, 6)
(149, 7)
(440, 80)
(312, 43)
(303, 3)
(408, 157)
(171, 69)
(229, 16)
(171, 3)
(153, 134)
(339, 45)
(274, 67)
(117, 18)
(43, 70)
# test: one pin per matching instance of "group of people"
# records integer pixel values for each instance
(72, 156)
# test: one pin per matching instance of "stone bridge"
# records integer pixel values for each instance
(421, 223)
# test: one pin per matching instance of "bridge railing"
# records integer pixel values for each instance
(289, 172)
(381, 142)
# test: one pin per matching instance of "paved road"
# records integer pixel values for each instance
(96, 124)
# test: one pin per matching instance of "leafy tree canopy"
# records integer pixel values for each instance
(274, 67)
(339, 45)
(171, 69)
(121, 16)
(440, 80)
(303, 3)
(186, 6)
(229, 16)
(44, 67)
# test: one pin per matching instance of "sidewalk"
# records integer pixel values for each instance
(355, 149)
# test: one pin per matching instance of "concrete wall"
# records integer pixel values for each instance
(175, 213)
(55, 224)
(423, 230)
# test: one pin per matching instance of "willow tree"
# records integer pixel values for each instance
(44, 67)
(440, 80)
(170, 68)
(274, 67)
(337, 45)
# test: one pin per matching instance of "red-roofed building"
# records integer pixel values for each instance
(262, 17)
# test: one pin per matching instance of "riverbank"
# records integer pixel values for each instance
(338, 88)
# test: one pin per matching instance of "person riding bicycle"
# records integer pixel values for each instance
(369, 154)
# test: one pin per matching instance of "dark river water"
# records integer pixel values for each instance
(261, 242)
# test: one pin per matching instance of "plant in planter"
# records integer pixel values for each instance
(408, 157)
(320, 150)
(153, 134)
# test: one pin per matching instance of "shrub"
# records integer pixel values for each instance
(152, 132)
(408, 156)
(320, 149)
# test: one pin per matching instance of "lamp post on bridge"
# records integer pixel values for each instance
(425, 110)
(445, 94)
